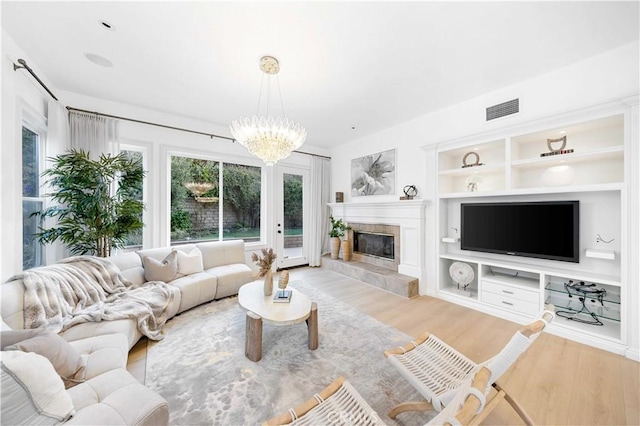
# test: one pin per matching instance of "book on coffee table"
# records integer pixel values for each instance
(282, 296)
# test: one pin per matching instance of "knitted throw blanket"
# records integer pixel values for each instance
(83, 289)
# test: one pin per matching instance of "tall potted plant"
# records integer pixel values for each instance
(337, 231)
(96, 202)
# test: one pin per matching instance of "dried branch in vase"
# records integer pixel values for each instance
(265, 261)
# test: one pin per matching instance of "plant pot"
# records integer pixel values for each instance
(346, 250)
(334, 244)
(268, 283)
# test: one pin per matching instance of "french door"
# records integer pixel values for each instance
(291, 217)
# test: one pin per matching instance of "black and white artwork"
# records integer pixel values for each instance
(374, 174)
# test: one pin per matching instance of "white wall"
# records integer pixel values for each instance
(606, 77)
(611, 75)
(20, 93)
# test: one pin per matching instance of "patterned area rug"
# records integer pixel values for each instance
(201, 370)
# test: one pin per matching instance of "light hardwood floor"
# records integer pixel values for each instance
(559, 382)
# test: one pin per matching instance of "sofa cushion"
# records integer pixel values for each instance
(128, 327)
(189, 263)
(101, 354)
(117, 398)
(64, 358)
(196, 289)
(218, 253)
(230, 278)
(31, 391)
(164, 270)
(130, 265)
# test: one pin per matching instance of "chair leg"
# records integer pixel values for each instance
(410, 406)
(515, 405)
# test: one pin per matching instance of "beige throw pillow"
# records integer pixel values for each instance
(11, 337)
(64, 358)
(31, 392)
(190, 263)
(165, 270)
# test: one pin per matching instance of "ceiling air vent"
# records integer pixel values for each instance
(503, 109)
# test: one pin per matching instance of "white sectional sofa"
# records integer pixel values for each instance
(108, 394)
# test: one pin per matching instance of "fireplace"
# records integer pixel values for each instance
(374, 244)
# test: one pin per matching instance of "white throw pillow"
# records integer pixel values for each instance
(165, 270)
(31, 391)
(190, 263)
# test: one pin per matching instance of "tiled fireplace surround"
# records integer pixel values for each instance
(404, 219)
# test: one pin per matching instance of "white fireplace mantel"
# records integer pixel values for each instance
(409, 215)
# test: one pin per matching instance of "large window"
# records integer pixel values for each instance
(200, 210)
(32, 250)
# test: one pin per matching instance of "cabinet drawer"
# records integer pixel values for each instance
(530, 296)
(511, 303)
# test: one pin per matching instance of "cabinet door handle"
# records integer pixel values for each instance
(508, 292)
(507, 303)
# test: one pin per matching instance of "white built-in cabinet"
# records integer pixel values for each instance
(511, 169)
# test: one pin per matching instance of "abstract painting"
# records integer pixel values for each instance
(374, 174)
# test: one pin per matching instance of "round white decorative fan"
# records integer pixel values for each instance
(461, 273)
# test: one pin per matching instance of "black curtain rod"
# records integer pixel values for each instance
(23, 64)
(211, 135)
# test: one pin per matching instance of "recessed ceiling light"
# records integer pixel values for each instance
(106, 25)
(562, 132)
(98, 60)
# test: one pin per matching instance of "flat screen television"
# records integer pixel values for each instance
(546, 229)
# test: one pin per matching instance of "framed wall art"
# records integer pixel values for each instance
(374, 174)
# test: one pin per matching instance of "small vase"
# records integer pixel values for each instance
(346, 250)
(268, 283)
(335, 247)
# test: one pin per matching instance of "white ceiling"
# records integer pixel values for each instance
(368, 65)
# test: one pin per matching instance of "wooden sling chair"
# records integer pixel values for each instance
(437, 370)
(341, 404)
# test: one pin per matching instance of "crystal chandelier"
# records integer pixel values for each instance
(268, 138)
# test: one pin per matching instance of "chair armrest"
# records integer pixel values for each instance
(537, 326)
(408, 347)
(302, 409)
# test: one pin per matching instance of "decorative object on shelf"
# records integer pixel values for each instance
(410, 191)
(599, 239)
(600, 254)
(476, 163)
(558, 151)
(583, 292)
(337, 231)
(472, 182)
(198, 189)
(374, 174)
(283, 294)
(339, 197)
(452, 239)
(268, 138)
(265, 262)
(558, 176)
(462, 274)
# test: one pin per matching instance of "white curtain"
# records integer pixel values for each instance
(94, 134)
(57, 143)
(320, 193)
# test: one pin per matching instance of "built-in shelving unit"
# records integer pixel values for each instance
(592, 171)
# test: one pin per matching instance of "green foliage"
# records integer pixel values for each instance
(338, 227)
(242, 192)
(293, 200)
(96, 206)
(180, 220)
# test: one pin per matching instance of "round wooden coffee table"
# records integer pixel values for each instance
(261, 308)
